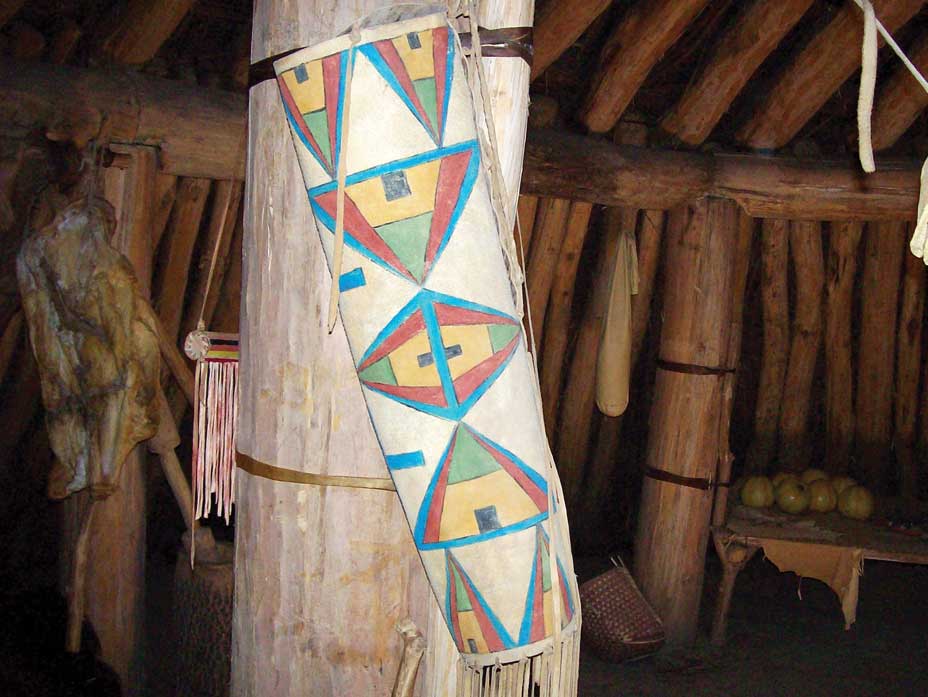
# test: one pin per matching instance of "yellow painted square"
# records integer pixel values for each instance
(470, 629)
(498, 489)
(372, 200)
(418, 61)
(405, 362)
(310, 94)
(474, 340)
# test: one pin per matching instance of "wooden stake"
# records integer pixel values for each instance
(178, 252)
(735, 57)
(643, 36)
(558, 26)
(879, 294)
(559, 307)
(742, 263)
(839, 388)
(816, 72)
(900, 101)
(673, 527)
(908, 361)
(550, 228)
(142, 30)
(805, 246)
(774, 295)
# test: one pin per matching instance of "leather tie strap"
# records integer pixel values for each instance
(665, 476)
(692, 369)
(508, 42)
(280, 474)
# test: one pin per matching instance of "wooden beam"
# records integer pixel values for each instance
(879, 294)
(558, 26)
(908, 361)
(646, 31)
(735, 57)
(805, 247)
(588, 169)
(178, 252)
(900, 100)
(142, 29)
(840, 273)
(816, 73)
(673, 523)
(199, 131)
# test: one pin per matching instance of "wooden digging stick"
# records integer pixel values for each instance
(413, 648)
(77, 596)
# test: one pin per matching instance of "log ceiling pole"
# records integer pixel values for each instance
(137, 35)
(558, 26)
(198, 131)
(739, 52)
(816, 73)
(900, 101)
(646, 31)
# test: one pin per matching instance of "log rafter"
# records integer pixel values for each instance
(816, 73)
(558, 26)
(735, 58)
(901, 100)
(139, 33)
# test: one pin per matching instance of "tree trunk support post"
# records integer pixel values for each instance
(734, 557)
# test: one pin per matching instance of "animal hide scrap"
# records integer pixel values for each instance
(95, 341)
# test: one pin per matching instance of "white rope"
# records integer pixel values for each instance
(919, 242)
(867, 87)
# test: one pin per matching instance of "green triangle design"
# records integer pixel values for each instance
(318, 124)
(501, 335)
(463, 599)
(425, 89)
(381, 372)
(409, 239)
(470, 459)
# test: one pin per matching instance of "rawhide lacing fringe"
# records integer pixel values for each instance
(214, 417)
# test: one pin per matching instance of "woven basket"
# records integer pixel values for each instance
(618, 623)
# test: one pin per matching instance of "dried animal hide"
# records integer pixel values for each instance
(96, 344)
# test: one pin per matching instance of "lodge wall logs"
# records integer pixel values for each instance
(673, 523)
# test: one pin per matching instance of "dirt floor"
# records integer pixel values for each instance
(781, 645)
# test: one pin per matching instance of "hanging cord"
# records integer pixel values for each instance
(919, 243)
(867, 87)
(340, 193)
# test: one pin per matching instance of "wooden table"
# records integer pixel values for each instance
(746, 530)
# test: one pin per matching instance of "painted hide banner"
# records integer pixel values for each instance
(427, 304)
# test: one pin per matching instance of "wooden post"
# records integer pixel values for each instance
(559, 305)
(805, 246)
(775, 248)
(673, 524)
(879, 294)
(908, 361)
(839, 380)
(550, 228)
(322, 573)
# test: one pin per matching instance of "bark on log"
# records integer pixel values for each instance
(816, 73)
(900, 101)
(673, 524)
(178, 252)
(645, 33)
(885, 245)
(805, 246)
(588, 169)
(908, 361)
(142, 29)
(839, 380)
(550, 229)
(738, 54)
(559, 306)
(558, 26)
(775, 299)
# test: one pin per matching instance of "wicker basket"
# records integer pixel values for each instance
(618, 623)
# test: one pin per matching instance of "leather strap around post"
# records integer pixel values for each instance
(280, 474)
(678, 479)
(691, 369)
(508, 42)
